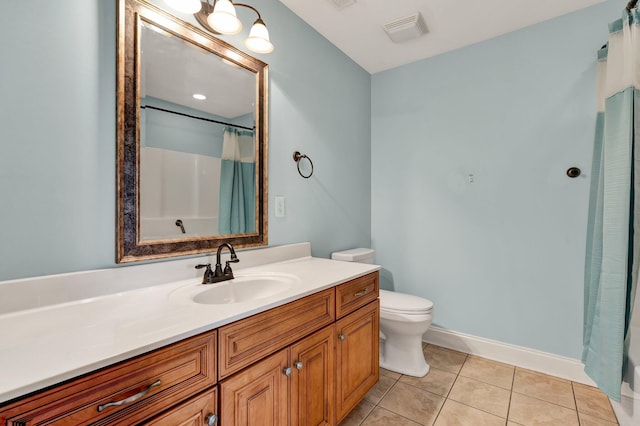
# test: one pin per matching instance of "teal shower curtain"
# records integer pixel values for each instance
(611, 267)
(237, 213)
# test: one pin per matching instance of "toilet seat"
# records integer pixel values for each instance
(404, 304)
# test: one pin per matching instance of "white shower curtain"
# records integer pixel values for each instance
(611, 268)
(237, 212)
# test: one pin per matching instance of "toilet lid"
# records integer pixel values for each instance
(404, 303)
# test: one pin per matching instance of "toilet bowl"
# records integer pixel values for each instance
(404, 318)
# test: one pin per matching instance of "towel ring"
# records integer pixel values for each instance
(297, 157)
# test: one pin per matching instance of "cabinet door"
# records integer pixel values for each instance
(258, 395)
(198, 411)
(357, 357)
(312, 380)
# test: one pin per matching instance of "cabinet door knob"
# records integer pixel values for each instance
(287, 371)
(298, 365)
(341, 336)
(211, 419)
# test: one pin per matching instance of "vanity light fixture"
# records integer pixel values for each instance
(220, 18)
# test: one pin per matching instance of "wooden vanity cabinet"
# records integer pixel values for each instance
(129, 392)
(295, 385)
(357, 350)
(308, 362)
(197, 411)
(316, 380)
(357, 357)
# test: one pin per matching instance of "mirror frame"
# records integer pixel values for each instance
(129, 247)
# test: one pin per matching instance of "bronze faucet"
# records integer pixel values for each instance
(219, 275)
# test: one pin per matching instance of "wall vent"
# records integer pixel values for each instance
(406, 28)
(341, 4)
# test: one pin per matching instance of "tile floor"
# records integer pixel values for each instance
(468, 390)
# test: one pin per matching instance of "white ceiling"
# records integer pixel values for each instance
(357, 29)
(173, 70)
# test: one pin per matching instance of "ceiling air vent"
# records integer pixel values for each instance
(341, 4)
(405, 28)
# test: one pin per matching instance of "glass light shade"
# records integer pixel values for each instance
(223, 19)
(258, 40)
(185, 6)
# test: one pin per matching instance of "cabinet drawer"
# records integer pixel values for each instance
(356, 293)
(129, 392)
(194, 412)
(246, 341)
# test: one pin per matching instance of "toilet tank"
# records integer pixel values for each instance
(360, 255)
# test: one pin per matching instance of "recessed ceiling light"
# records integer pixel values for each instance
(199, 97)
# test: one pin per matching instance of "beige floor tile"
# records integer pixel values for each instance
(389, 373)
(480, 395)
(436, 381)
(382, 417)
(587, 420)
(492, 372)
(530, 411)
(455, 414)
(380, 389)
(593, 402)
(416, 404)
(358, 414)
(444, 359)
(545, 387)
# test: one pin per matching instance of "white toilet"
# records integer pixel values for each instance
(404, 318)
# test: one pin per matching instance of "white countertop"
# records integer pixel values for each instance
(46, 345)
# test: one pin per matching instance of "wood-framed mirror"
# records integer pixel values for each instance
(191, 173)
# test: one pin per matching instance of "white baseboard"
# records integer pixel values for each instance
(544, 362)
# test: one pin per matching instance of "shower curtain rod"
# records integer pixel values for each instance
(197, 118)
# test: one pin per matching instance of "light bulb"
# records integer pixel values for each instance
(258, 40)
(223, 19)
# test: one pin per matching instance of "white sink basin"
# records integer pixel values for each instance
(244, 288)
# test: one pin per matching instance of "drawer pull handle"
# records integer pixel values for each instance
(360, 293)
(132, 398)
(211, 419)
(287, 371)
(298, 365)
(341, 336)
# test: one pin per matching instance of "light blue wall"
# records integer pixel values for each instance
(501, 257)
(161, 129)
(58, 133)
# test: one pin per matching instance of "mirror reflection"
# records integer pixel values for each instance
(197, 150)
(192, 139)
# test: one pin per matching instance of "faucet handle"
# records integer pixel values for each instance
(208, 273)
(227, 269)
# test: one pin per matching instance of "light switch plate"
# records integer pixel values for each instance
(279, 204)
